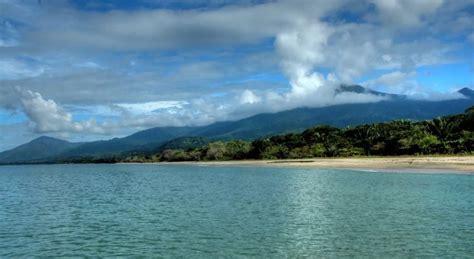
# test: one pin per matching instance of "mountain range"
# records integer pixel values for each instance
(47, 149)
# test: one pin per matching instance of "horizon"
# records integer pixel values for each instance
(89, 70)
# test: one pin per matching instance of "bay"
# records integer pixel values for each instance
(201, 211)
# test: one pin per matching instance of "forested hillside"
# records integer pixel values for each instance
(444, 135)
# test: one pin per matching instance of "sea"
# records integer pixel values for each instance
(153, 210)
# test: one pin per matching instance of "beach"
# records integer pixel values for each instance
(456, 164)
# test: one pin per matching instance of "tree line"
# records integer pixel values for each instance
(445, 135)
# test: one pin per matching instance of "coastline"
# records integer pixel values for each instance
(455, 164)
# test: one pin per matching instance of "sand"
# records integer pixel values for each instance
(455, 164)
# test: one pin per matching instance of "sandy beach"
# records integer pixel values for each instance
(460, 164)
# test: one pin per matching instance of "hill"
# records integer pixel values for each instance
(260, 125)
(444, 135)
(467, 92)
(39, 149)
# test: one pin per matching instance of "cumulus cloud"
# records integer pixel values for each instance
(248, 97)
(47, 116)
(311, 44)
(159, 67)
(301, 48)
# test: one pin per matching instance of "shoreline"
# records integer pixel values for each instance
(455, 164)
(460, 164)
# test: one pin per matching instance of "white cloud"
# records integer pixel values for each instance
(405, 83)
(248, 97)
(13, 69)
(90, 65)
(301, 49)
(405, 13)
(48, 116)
(391, 79)
(133, 71)
(427, 94)
(346, 97)
(151, 29)
(150, 107)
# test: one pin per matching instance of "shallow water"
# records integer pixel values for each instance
(197, 211)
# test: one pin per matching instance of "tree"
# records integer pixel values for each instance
(363, 137)
(440, 127)
(451, 134)
(258, 147)
(237, 149)
(418, 140)
(275, 152)
(328, 137)
(216, 151)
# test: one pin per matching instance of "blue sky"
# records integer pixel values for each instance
(84, 70)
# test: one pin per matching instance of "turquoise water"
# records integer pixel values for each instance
(197, 211)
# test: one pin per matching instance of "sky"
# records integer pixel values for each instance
(86, 70)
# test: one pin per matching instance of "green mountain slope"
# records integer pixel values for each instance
(452, 135)
(142, 140)
(261, 125)
(38, 149)
(338, 115)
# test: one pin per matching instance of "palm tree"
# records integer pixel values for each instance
(365, 135)
(440, 127)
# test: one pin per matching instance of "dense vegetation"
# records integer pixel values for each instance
(445, 135)
(150, 142)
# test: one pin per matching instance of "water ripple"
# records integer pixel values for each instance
(186, 211)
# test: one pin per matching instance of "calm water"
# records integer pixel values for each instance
(193, 211)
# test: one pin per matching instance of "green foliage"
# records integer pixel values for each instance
(318, 150)
(275, 152)
(175, 155)
(184, 143)
(216, 151)
(238, 149)
(446, 135)
(419, 141)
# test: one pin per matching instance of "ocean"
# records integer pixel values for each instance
(187, 211)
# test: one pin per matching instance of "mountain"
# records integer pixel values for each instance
(362, 90)
(184, 143)
(338, 115)
(467, 92)
(39, 149)
(257, 126)
(145, 140)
